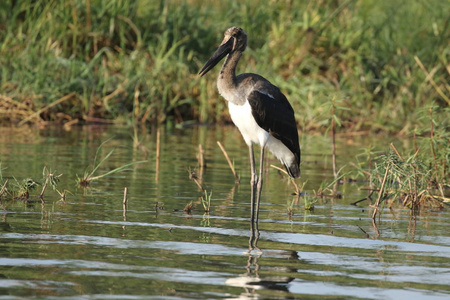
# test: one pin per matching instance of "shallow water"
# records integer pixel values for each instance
(90, 247)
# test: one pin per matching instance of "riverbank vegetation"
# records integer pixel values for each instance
(137, 61)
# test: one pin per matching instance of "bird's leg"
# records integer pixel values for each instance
(256, 192)
(251, 240)
(259, 184)
(254, 236)
(253, 183)
(252, 166)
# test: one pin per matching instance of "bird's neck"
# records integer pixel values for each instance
(226, 83)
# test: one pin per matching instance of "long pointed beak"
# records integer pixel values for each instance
(224, 49)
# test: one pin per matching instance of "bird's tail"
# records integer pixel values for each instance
(293, 170)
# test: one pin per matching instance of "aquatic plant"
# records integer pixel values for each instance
(206, 200)
(52, 178)
(408, 180)
(419, 177)
(21, 188)
(89, 175)
(189, 207)
(24, 187)
(330, 189)
(309, 202)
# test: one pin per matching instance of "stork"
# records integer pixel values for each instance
(259, 109)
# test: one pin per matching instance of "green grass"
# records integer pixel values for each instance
(91, 175)
(408, 181)
(206, 200)
(416, 178)
(136, 61)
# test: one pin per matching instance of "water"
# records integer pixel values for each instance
(89, 247)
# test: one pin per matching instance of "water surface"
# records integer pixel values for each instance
(88, 246)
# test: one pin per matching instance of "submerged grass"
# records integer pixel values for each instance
(136, 61)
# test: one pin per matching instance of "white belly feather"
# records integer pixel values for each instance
(243, 119)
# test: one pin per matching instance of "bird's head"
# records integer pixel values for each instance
(237, 36)
(235, 39)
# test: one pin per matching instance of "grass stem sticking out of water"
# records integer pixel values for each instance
(201, 157)
(193, 176)
(3, 189)
(158, 151)
(52, 179)
(236, 177)
(297, 190)
(206, 200)
(332, 186)
(125, 199)
(124, 203)
(380, 193)
(333, 137)
(89, 176)
(62, 195)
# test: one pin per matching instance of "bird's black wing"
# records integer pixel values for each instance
(275, 115)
